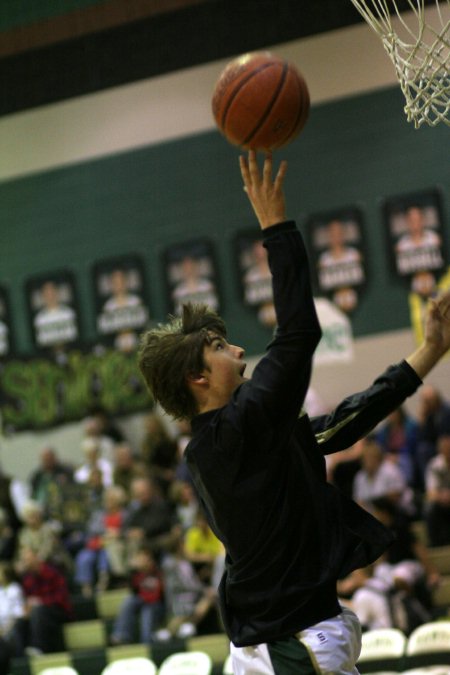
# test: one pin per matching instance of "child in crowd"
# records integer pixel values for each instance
(104, 551)
(188, 600)
(145, 602)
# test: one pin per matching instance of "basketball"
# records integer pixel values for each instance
(260, 102)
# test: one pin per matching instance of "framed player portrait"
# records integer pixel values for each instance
(191, 275)
(6, 339)
(337, 254)
(53, 308)
(254, 275)
(415, 235)
(121, 300)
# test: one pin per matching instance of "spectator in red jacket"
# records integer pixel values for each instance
(47, 605)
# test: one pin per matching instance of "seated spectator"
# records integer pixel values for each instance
(343, 466)
(394, 591)
(379, 477)
(437, 495)
(188, 600)
(47, 606)
(7, 537)
(150, 519)
(94, 429)
(182, 438)
(380, 598)
(126, 467)
(398, 437)
(407, 550)
(49, 479)
(13, 495)
(159, 452)
(434, 420)
(105, 425)
(93, 460)
(94, 489)
(42, 536)
(202, 547)
(104, 552)
(182, 495)
(12, 608)
(145, 602)
(71, 511)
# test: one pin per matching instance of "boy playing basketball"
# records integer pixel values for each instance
(258, 461)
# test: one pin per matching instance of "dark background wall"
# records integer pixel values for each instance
(144, 200)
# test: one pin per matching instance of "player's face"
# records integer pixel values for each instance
(224, 367)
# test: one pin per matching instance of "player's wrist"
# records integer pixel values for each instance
(272, 220)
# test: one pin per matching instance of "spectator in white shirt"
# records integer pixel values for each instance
(93, 460)
(380, 477)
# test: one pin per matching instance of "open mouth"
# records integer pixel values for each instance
(242, 370)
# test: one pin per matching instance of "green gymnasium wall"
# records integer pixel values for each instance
(14, 13)
(353, 152)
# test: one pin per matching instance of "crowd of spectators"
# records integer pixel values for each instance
(122, 517)
(400, 473)
(129, 517)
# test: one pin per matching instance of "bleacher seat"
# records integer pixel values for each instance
(428, 670)
(186, 663)
(41, 662)
(217, 646)
(382, 649)
(429, 645)
(133, 666)
(127, 652)
(85, 635)
(228, 666)
(109, 602)
(440, 557)
(441, 595)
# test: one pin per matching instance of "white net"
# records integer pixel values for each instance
(418, 43)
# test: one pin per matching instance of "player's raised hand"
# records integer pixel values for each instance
(436, 341)
(437, 323)
(265, 193)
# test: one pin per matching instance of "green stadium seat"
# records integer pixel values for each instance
(85, 635)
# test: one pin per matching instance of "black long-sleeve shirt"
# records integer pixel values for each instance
(259, 468)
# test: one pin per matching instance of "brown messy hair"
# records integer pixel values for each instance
(169, 353)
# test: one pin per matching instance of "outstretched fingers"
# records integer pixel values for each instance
(281, 173)
(443, 305)
(249, 169)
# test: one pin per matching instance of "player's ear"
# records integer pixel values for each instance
(196, 378)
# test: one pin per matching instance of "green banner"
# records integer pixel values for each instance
(37, 393)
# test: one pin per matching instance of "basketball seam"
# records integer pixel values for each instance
(239, 86)
(300, 117)
(269, 106)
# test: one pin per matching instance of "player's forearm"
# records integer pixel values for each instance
(424, 358)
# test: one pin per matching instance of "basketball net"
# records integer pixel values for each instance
(420, 51)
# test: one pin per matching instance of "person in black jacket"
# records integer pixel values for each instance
(257, 461)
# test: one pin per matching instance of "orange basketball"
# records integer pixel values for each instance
(260, 102)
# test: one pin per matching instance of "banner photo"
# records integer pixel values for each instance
(121, 301)
(42, 392)
(53, 310)
(255, 279)
(191, 275)
(416, 243)
(338, 259)
(6, 339)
